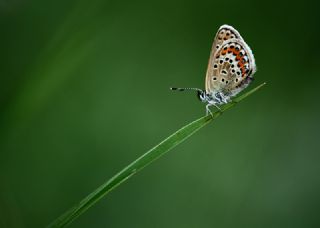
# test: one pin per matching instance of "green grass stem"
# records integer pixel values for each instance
(146, 159)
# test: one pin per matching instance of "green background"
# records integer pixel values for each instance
(84, 91)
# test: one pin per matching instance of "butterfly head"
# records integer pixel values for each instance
(202, 95)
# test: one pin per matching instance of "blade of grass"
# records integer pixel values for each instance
(150, 156)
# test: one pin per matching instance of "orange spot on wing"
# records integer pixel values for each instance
(243, 71)
(235, 52)
(229, 50)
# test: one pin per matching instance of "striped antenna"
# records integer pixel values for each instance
(183, 89)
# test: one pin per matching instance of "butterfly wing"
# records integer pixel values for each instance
(231, 64)
(224, 33)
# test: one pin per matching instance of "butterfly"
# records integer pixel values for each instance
(230, 69)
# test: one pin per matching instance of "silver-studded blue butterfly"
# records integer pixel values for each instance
(230, 69)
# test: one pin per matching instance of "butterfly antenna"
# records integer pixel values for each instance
(183, 89)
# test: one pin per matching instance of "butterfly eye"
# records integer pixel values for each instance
(201, 95)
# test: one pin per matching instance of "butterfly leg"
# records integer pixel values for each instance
(208, 111)
(224, 98)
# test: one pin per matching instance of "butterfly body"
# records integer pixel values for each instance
(230, 69)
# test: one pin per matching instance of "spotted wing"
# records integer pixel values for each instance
(231, 64)
(225, 33)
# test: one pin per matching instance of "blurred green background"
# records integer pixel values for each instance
(84, 91)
